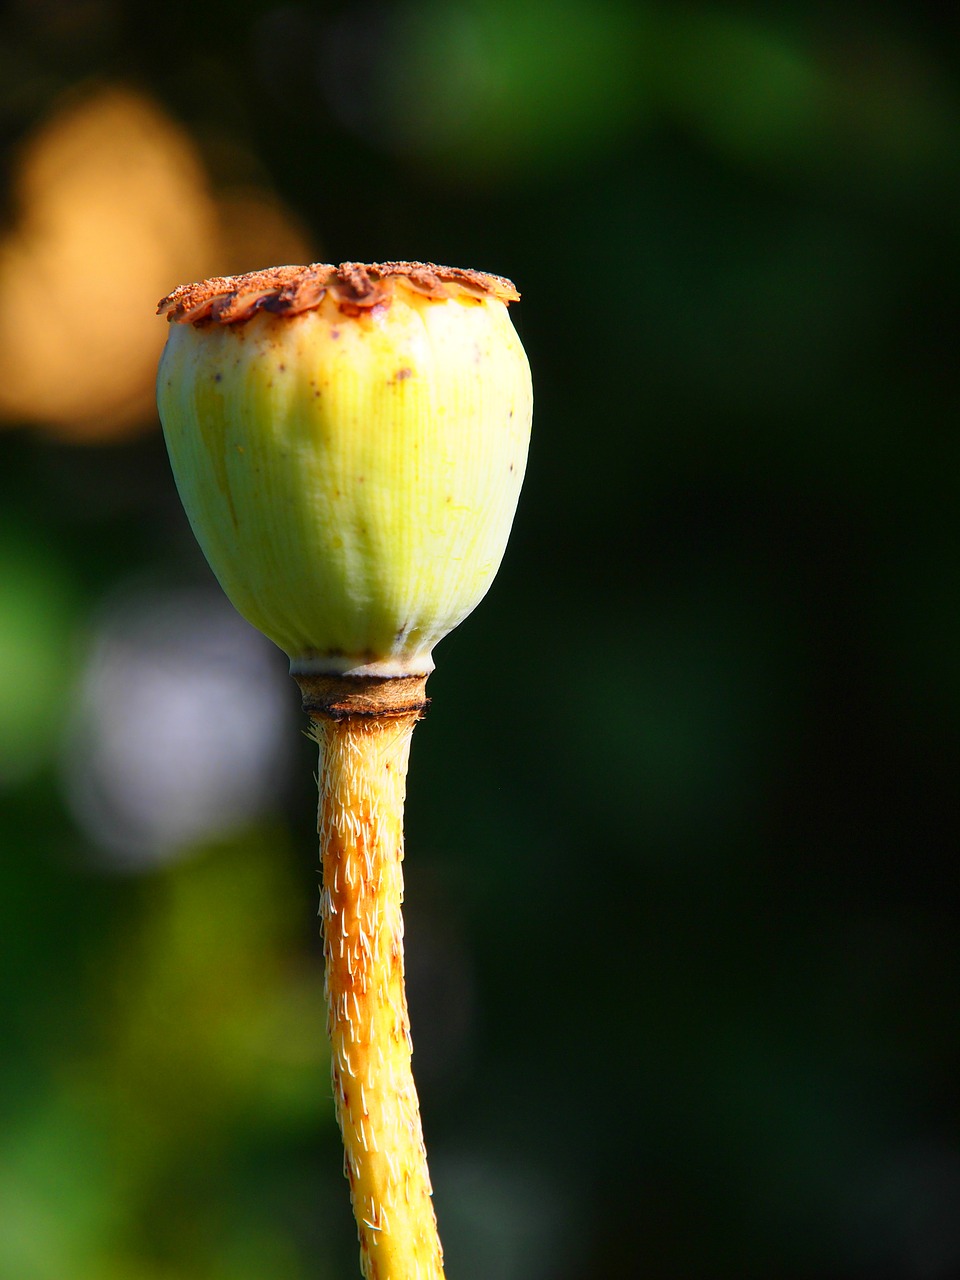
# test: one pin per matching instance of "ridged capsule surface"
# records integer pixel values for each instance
(350, 462)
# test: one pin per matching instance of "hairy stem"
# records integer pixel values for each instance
(362, 780)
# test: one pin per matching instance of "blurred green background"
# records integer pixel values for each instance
(682, 895)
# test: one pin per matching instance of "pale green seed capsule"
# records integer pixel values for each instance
(349, 445)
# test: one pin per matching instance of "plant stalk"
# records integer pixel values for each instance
(362, 784)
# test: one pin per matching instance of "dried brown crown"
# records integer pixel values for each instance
(288, 291)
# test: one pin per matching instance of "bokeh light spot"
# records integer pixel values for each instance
(181, 726)
(113, 210)
(487, 90)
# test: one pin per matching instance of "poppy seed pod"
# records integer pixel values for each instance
(349, 444)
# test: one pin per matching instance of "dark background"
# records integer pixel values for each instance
(682, 903)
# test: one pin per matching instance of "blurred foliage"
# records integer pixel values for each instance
(682, 897)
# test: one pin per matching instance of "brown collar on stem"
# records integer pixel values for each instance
(336, 697)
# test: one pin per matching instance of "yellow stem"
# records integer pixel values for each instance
(362, 778)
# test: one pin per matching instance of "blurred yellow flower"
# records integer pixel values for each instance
(112, 207)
